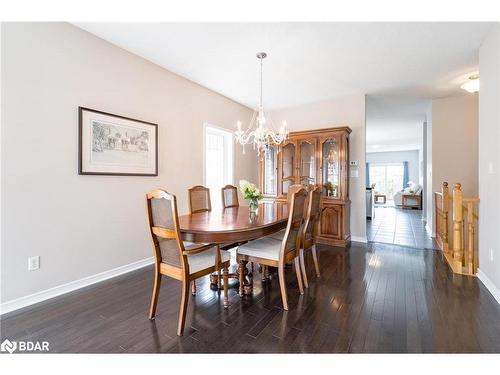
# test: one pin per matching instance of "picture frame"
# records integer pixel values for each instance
(114, 145)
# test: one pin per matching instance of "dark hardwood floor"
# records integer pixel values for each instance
(376, 298)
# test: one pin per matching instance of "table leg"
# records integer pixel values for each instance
(265, 273)
(226, 282)
(241, 273)
(245, 278)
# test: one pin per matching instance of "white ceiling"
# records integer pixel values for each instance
(394, 123)
(307, 62)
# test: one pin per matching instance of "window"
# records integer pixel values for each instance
(270, 170)
(388, 178)
(218, 161)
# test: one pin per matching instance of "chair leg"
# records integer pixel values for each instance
(315, 259)
(265, 273)
(226, 286)
(241, 276)
(193, 287)
(281, 277)
(219, 279)
(299, 274)
(303, 268)
(183, 308)
(156, 293)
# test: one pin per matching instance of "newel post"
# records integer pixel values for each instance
(457, 228)
(446, 204)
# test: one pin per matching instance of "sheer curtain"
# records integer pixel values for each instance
(367, 175)
(406, 174)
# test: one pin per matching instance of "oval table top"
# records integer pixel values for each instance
(234, 224)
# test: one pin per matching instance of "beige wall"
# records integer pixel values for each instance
(349, 111)
(489, 162)
(455, 143)
(83, 225)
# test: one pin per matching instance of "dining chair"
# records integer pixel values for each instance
(199, 199)
(276, 253)
(181, 260)
(291, 190)
(230, 200)
(230, 196)
(308, 235)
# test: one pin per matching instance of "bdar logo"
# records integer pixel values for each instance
(8, 346)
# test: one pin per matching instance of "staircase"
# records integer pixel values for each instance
(459, 217)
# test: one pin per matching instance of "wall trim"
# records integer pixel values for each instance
(43, 295)
(495, 292)
(429, 230)
(359, 239)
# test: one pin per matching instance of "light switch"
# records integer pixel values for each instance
(491, 170)
(354, 173)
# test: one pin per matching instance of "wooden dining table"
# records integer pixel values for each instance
(234, 225)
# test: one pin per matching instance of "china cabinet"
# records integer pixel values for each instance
(313, 157)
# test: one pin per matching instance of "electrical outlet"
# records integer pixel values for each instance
(33, 263)
(491, 254)
(491, 168)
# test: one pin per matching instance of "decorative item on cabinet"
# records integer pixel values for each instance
(313, 157)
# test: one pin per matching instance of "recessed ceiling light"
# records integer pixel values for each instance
(472, 85)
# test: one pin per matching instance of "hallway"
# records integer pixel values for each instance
(400, 227)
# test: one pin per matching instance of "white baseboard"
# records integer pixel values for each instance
(429, 230)
(495, 292)
(359, 239)
(31, 299)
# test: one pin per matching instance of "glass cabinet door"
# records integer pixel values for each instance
(287, 167)
(270, 171)
(330, 167)
(307, 154)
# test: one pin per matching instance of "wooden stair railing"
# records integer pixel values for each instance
(461, 251)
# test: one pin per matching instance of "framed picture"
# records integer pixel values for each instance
(115, 145)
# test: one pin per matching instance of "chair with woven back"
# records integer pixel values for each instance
(291, 190)
(199, 201)
(230, 196)
(276, 253)
(183, 261)
(308, 235)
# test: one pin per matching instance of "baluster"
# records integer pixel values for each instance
(457, 228)
(471, 238)
(445, 204)
(436, 217)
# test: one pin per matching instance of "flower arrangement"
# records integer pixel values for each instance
(251, 193)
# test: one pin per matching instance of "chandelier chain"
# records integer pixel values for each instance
(264, 135)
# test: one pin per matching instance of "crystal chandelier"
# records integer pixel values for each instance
(264, 133)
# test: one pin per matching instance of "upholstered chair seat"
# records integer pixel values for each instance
(278, 235)
(206, 259)
(266, 247)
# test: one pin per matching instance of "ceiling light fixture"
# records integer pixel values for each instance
(472, 85)
(262, 136)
